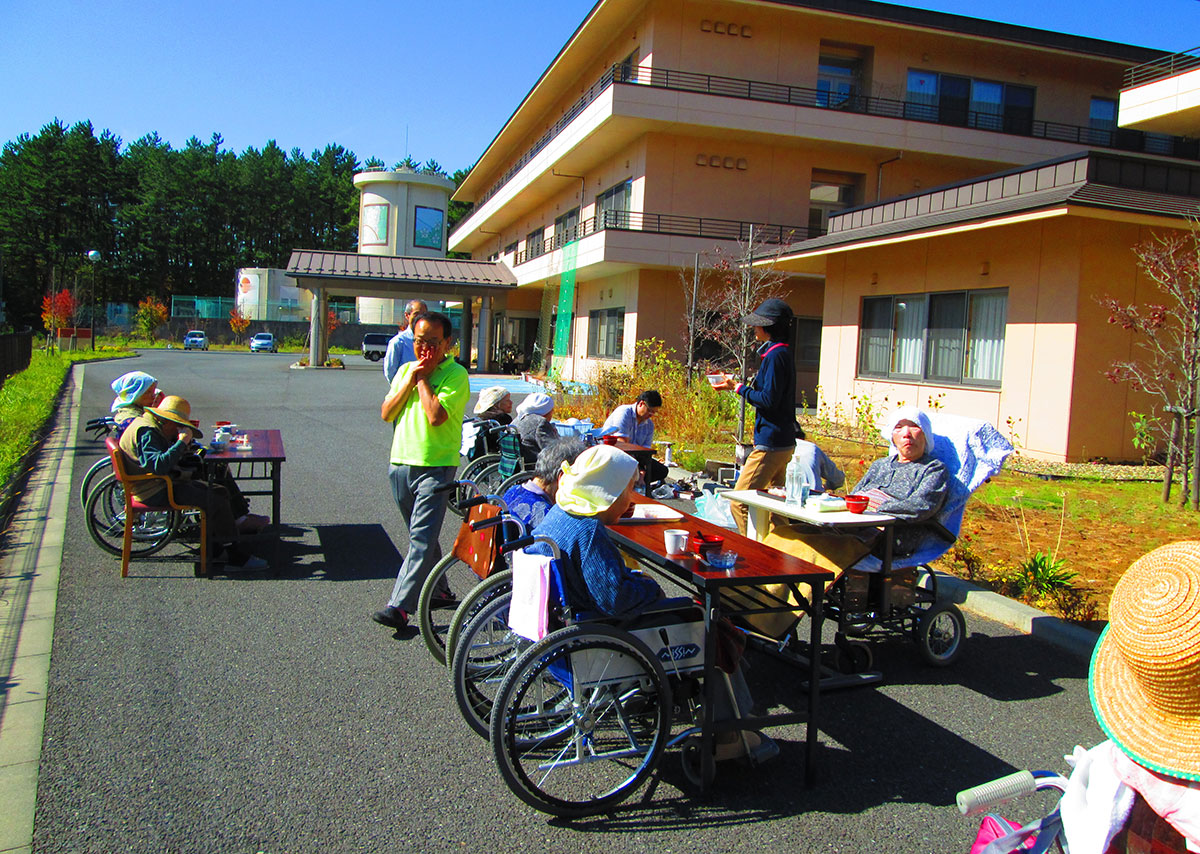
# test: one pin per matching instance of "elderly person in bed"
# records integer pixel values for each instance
(909, 484)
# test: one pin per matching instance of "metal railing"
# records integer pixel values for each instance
(672, 224)
(1014, 123)
(1161, 68)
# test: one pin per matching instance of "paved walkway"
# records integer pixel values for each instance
(269, 714)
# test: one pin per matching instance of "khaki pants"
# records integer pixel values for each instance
(762, 469)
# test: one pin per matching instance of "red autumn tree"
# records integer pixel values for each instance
(151, 314)
(238, 322)
(57, 311)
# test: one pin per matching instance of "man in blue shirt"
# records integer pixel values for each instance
(400, 347)
(634, 422)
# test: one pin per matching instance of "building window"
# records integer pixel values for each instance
(829, 193)
(948, 338)
(535, 243)
(808, 342)
(511, 249)
(428, 224)
(612, 206)
(566, 228)
(839, 76)
(1102, 121)
(606, 332)
(962, 101)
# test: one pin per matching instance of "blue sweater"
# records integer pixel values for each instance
(772, 393)
(595, 577)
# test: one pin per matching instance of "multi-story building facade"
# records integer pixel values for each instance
(664, 128)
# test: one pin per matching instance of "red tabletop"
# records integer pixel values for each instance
(756, 563)
(265, 446)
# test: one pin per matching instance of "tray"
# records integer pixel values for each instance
(653, 513)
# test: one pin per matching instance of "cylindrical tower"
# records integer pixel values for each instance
(399, 213)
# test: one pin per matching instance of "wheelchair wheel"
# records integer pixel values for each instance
(852, 656)
(101, 466)
(689, 755)
(470, 472)
(494, 585)
(519, 477)
(581, 720)
(940, 634)
(449, 575)
(105, 520)
(485, 652)
(489, 480)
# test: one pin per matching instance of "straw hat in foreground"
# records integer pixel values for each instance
(1145, 674)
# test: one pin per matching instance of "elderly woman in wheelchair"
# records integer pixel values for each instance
(935, 463)
(583, 713)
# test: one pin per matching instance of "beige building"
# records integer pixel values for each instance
(664, 128)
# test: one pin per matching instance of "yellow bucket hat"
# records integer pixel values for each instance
(596, 479)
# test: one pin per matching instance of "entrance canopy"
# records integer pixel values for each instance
(393, 277)
(397, 277)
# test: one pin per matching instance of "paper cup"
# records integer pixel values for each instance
(676, 541)
(716, 379)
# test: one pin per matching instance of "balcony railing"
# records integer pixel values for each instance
(672, 224)
(1159, 69)
(1017, 124)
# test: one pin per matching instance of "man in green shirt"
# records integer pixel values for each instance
(425, 404)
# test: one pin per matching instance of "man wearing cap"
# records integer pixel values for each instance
(400, 347)
(772, 393)
(425, 404)
(156, 442)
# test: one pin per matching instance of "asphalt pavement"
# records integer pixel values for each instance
(265, 713)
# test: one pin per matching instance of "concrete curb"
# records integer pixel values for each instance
(971, 597)
(28, 599)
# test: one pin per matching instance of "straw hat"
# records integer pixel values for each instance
(1145, 675)
(489, 397)
(176, 410)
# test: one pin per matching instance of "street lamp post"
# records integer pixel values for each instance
(93, 256)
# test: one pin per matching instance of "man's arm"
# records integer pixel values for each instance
(391, 359)
(394, 402)
(435, 413)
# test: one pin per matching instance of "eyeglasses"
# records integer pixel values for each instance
(428, 342)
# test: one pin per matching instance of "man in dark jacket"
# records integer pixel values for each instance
(772, 393)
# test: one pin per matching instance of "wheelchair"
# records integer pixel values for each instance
(490, 470)
(100, 428)
(474, 556)
(581, 717)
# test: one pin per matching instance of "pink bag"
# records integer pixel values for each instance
(528, 610)
(994, 827)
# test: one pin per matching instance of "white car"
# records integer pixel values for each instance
(263, 342)
(195, 340)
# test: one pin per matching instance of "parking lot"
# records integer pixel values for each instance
(268, 713)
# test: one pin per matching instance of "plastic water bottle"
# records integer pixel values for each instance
(793, 481)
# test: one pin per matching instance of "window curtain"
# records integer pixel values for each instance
(909, 324)
(985, 336)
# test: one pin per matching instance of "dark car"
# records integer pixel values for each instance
(374, 345)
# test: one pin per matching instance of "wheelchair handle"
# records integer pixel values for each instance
(446, 487)
(484, 524)
(996, 792)
(522, 542)
(468, 503)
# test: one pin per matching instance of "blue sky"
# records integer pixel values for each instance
(365, 74)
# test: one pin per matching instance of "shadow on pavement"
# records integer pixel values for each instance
(342, 553)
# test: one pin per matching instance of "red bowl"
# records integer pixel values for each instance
(857, 503)
(703, 544)
(609, 440)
